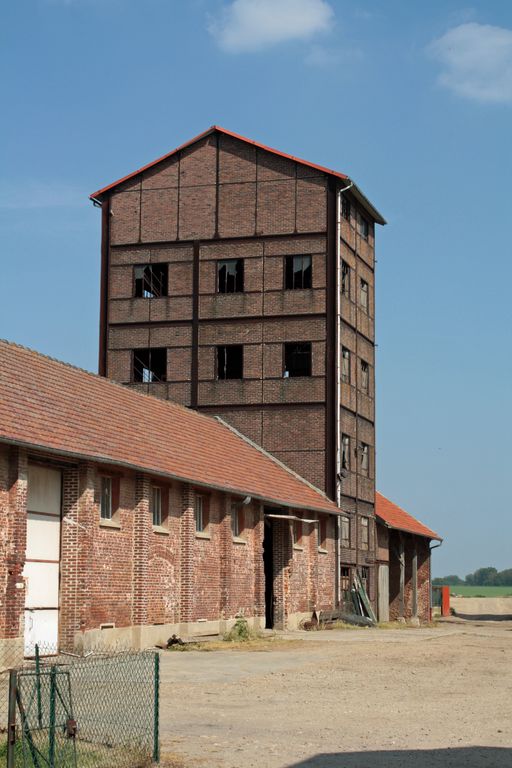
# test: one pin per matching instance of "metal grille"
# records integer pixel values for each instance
(96, 711)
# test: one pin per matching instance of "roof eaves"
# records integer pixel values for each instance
(407, 530)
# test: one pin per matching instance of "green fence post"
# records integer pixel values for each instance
(38, 685)
(11, 720)
(51, 731)
(156, 710)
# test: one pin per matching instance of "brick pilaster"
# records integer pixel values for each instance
(187, 554)
(259, 574)
(141, 538)
(14, 513)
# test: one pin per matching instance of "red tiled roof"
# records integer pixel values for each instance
(396, 517)
(46, 404)
(217, 129)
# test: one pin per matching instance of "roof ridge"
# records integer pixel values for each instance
(274, 459)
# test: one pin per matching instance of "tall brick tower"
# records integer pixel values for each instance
(239, 281)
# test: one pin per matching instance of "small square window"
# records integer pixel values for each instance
(363, 295)
(365, 376)
(149, 365)
(298, 272)
(202, 517)
(151, 280)
(365, 533)
(345, 208)
(297, 358)
(364, 452)
(345, 365)
(345, 279)
(230, 361)
(364, 227)
(345, 531)
(345, 452)
(230, 276)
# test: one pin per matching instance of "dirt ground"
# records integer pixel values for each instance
(365, 698)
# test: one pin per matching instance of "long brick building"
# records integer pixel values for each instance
(239, 281)
(125, 518)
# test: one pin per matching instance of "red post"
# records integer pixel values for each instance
(445, 601)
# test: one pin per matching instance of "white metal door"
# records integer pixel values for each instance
(383, 593)
(41, 570)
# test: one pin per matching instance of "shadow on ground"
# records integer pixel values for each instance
(461, 757)
(484, 616)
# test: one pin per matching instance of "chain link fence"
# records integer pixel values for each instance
(65, 711)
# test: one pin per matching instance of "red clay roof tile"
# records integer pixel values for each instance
(396, 517)
(50, 405)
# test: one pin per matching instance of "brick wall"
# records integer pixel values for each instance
(412, 545)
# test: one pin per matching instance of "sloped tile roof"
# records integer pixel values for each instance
(46, 404)
(217, 129)
(396, 517)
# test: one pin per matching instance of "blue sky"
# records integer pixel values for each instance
(414, 100)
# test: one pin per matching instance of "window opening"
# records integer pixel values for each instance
(297, 359)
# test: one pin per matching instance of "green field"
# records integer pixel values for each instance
(467, 591)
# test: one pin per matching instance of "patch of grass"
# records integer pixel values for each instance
(470, 591)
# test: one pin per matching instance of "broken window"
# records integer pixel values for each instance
(345, 579)
(345, 531)
(202, 517)
(345, 452)
(364, 227)
(365, 533)
(363, 295)
(230, 276)
(297, 358)
(365, 378)
(298, 272)
(230, 361)
(151, 281)
(365, 579)
(345, 208)
(364, 452)
(345, 279)
(345, 365)
(150, 365)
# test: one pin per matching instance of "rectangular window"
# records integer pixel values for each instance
(364, 227)
(364, 452)
(298, 272)
(201, 514)
(345, 208)
(365, 533)
(345, 279)
(345, 452)
(156, 505)
(106, 506)
(230, 361)
(345, 578)
(365, 579)
(151, 281)
(237, 520)
(149, 365)
(297, 533)
(322, 532)
(365, 377)
(230, 276)
(363, 295)
(297, 358)
(345, 531)
(345, 365)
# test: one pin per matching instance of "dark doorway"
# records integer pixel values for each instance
(268, 568)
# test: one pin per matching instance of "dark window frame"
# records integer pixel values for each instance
(363, 226)
(222, 350)
(345, 541)
(365, 376)
(138, 355)
(365, 305)
(345, 279)
(290, 273)
(346, 208)
(164, 284)
(287, 345)
(345, 455)
(345, 355)
(239, 277)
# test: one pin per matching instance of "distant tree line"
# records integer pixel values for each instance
(482, 577)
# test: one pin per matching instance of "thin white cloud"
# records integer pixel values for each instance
(477, 62)
(36, 194)
(251, 25)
